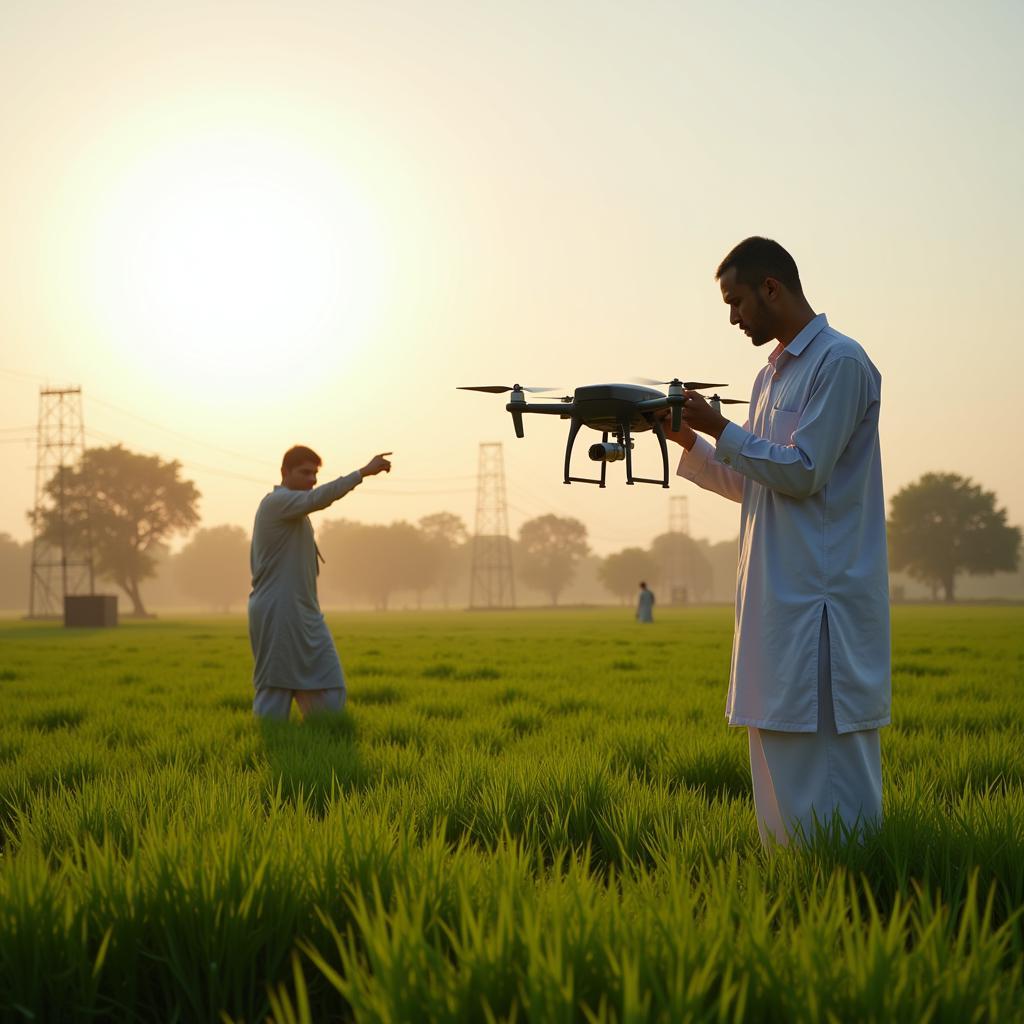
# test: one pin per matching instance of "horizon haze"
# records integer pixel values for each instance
(242, 227)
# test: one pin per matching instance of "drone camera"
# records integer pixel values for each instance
(607, 452)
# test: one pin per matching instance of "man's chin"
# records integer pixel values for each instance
(758, 340)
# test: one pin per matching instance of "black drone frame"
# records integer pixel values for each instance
(614, 410)
(675, 400)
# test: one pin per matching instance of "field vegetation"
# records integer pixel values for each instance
(521, 816)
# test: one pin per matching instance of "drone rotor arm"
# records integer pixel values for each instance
(555, 409)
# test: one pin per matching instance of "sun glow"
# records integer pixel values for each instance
(223, 261)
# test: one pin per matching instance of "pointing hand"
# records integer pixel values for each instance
(378, 464)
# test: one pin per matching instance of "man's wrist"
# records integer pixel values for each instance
(716, 428)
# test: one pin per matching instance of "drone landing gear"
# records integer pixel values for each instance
(624, 439)
(660, 435)
(574, 429)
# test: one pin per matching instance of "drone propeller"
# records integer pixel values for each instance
(690, 385)
(500, 389)
(732, 401)
(555, 398)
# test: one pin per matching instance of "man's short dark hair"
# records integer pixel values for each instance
(756, 258)
(297, 456)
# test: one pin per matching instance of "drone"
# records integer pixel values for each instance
(614, 410)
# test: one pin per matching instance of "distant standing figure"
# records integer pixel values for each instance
(292, 647)
(645, 605)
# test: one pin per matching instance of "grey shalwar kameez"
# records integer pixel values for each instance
(291, 644)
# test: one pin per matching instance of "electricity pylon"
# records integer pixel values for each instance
(59, 568)
(679, 567)
(491, 584)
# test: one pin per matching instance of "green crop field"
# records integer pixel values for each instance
(521, 816)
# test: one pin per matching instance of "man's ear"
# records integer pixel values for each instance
(772, 288)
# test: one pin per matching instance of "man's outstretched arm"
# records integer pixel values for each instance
(292, 504)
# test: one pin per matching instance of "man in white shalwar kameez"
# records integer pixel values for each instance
(810, 676)
(292, 648)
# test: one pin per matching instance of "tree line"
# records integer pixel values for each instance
(129, 506)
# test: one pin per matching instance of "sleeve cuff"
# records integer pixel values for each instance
(692, 463)
(729, 444)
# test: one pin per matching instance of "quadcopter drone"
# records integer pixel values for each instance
(614, 410)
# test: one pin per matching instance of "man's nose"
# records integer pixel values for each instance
(734, 316)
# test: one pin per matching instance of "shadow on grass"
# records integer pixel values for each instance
(315, 760)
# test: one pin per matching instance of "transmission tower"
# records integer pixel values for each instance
(679, 566)
(59, 568)
(490, 582)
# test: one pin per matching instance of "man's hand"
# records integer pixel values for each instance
(684, 436)
(698, 415)
(378, 464)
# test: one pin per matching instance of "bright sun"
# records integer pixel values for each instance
(222, 261)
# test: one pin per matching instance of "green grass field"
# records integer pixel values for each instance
(521, 816)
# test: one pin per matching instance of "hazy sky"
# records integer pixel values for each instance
(240, 226)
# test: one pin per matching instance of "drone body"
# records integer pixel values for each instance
(614, 410)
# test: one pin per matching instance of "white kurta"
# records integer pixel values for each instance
(291, 644)
(807, 470)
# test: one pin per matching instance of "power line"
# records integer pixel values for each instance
(220, 471)
(113, 406)
(176, 433)
(24, 376)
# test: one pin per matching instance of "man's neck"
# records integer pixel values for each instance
(795, 324)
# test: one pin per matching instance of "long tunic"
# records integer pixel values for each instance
(645, 606)
(291, 644)
(806, 468)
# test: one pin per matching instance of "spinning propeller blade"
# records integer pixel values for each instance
(690, 385)
(499, 389)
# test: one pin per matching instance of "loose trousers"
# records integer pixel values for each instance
(273, 702)
(800, 777)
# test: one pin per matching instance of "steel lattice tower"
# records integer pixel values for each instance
(679, 567)
(58, 569)
(490, 583)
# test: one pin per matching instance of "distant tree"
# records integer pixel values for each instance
(944, 524)
(622, 572)
(374, 562)
(550, 547)
(15, 566)
(213, 567)
(723, 558)
(417, 559)
(446, 533)
(680, 560)
(131, 502)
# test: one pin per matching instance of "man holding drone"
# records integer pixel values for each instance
(294, 654)
(810, 675)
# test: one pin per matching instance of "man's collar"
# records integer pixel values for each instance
(811, 330)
